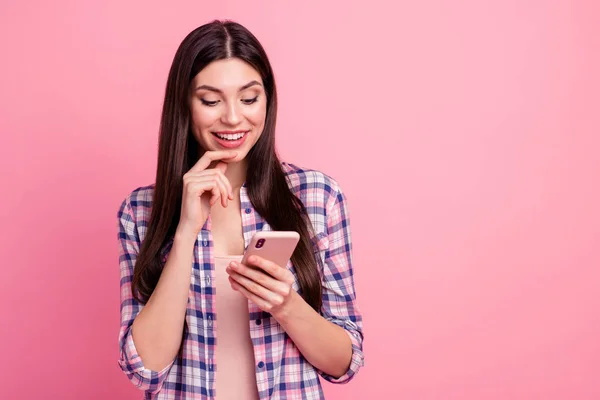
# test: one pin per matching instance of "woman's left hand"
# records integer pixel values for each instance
(265, 283)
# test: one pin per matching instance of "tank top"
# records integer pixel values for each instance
(235, 370)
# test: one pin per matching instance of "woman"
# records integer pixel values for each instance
(195, 323)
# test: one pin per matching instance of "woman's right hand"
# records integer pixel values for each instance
(202, 188)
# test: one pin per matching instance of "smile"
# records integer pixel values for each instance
(231, 136)
(230, 140)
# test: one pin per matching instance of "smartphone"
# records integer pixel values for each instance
(275, 246)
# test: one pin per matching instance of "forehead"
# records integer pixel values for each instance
(228, 74)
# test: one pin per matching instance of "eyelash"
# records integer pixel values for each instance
(214, 103)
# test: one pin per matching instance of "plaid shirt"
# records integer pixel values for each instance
(281, 370)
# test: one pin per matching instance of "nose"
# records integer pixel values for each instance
(231, 115)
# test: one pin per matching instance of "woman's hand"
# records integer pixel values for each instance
(324, 344)
(265, 283)
(202, 188)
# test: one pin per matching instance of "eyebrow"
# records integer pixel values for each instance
(214, 89)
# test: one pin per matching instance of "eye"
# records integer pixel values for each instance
(250, 101)
(209, 103)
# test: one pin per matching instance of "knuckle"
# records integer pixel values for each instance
(277, 300)
(261, 278)
(289, 277)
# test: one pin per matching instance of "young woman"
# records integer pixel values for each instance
(195, 323)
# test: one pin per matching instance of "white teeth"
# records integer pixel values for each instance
(233, 136)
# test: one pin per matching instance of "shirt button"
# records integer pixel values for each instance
(248, 210)
(209, 320)
(208, 280)
(261, 364)
(205, 243)
(258, 322)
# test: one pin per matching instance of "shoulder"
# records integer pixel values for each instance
(137, 205)
(302, 180)
(317, 190)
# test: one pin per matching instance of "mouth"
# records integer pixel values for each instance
(230, 139)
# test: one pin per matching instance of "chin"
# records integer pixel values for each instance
(240, 157)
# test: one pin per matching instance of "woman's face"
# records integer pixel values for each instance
(228, 107)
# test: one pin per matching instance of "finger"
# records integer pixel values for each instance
(226, 182)
(217, 173)
(224, 185)
(211, 156)
(276, 271)
(260, 302)
(201, 186)
(221, 185)
(223, 189)
(258, 294)
(198, 186)
(221, 166)
(258, 276)
(214, 198)
(214, 181)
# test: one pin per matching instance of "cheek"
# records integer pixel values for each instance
(203, 119)
(257, 116)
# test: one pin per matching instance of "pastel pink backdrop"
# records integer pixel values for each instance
(465, 133)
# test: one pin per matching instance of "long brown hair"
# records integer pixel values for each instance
(178, 151)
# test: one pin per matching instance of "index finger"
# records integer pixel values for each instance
(276, 271)
(211, 156)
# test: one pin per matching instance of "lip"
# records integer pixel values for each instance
(230, 144)
(231, 132)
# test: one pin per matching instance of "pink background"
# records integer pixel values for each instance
(465, 134)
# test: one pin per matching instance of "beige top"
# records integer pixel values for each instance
(235, 370)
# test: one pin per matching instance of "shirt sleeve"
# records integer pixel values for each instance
(129, 360)
(339, 297)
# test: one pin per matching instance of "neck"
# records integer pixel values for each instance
(236, 173)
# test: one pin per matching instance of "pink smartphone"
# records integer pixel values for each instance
(275, 246)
